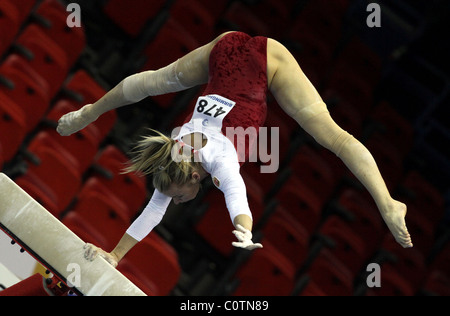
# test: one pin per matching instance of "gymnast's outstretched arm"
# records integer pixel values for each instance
(188, 71)
(299, 99)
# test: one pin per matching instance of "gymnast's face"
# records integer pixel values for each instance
(184, 193)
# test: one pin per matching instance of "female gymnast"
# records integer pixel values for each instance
(239, 71)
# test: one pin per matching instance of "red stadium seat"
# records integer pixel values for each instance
(265, 181)
(442, 260)
(288, 236)
(349, 248)
(129, 188)
(313, 55)
(215, 226)
(28, 89)
(422, 230)
(185, 113)
(344, 114)
(79, 148)
(82, 83)
(408, 263)
(352, 88)
(424, 196)
(25, 8)
(311, 168)
(155, 260)
(137, 278)
(392, 284)
(71, 39)
(330, 275)
(216, 8)
(195, 18)
(133, 15)
(393, 128)
(175, 42)
(273, 12)
(90, 91)
(32, 286)
(358, 58)
(44, 56)
(12, 127)
(85, 230)
(365, 219)
(302, 203)
(78, 159)
(437, 283)
(241, 18)
(9, 25)
(53, 181)
(266, 273)
(255, 196)
(312, 289)
(323, 19)
(2, 161)
(108, 217)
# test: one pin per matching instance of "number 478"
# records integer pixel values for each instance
(207, 109)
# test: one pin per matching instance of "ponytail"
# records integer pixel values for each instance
(154, 156)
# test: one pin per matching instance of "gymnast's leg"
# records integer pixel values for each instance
(298, 98)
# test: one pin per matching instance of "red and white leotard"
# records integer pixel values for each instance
(234, 97)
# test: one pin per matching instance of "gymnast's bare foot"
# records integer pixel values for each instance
(75, 121)
(394, 217)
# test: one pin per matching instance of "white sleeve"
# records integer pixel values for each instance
(229, 180)
(150, 217)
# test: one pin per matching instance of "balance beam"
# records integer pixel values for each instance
(55, 246)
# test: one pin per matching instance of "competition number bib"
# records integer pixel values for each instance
(210, 110)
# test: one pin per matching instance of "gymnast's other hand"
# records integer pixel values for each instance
(245, 239)
(75, 121)
(91, 252)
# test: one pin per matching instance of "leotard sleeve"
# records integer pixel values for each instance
(227, 178)
(150, 217)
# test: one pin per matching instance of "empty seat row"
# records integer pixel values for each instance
(332, 272)
(355, 238)
(35, 69)
(53, 179)
(12, 16)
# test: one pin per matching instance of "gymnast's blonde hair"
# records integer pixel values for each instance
(154, 156)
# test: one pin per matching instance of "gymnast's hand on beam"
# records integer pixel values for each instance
(91, 252)
(245, 239)
(75, 121)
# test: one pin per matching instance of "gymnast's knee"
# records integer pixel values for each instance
(340, 140)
